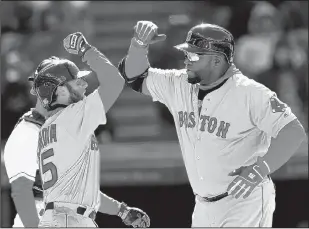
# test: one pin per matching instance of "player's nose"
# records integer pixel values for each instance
(187, 62)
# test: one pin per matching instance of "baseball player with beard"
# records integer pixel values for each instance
(233, 131)
(24, 176)
(68, 152)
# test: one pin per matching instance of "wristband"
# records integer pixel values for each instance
(139, 43)
(263, 165)
(84, 48)
(123, 211)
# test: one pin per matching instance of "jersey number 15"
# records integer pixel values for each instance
(49, 167)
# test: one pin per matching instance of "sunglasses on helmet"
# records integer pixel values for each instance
(224, 46)
(194, 57)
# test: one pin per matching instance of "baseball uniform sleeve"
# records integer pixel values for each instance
(20, 156)
(165, 85)
(84, 116)
(267, 112)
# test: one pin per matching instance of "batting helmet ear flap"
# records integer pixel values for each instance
(218, 59)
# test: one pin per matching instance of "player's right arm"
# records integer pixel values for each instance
(160, 84)
(110, 81)
(88, 114)
(21, 164)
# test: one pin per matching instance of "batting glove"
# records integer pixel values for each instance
(76, 44)
(248, 178)
(133, 216)
(146, 32)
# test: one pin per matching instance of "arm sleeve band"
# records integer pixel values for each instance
(135, 83)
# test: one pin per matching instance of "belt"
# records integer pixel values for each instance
(37, 192)
(214, 198)
(79, 210)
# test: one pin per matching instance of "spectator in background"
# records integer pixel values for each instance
(15, 102)
(9, 42)
(23, 12)
(15, 67)
(298, 40)
(54, 20)
(294, 14)
(9, 21)
(222, 16)
(240, 15)
(232, 15)
(255, 50)
(34, 26)
(288, 76)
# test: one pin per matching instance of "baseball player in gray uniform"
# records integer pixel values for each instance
(233, 131)
(68, 152)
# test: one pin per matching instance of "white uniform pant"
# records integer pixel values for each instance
(254, 211)
(65, 217)
(39, 206)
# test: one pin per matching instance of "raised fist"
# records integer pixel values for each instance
(146, 32)
(76, 43)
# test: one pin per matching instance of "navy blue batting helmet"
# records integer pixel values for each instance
(50, 74)
(203, 38)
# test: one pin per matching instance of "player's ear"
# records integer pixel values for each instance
(61, 91)
(217, 60)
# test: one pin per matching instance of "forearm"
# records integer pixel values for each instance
(109, 205)
(24, 201)
(110, 80)
(136, 61)
(285, 145)
(107, 73)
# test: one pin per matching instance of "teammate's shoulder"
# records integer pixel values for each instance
(23, 136)
(24, 127)
(34, 117)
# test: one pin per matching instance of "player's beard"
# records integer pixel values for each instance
(74, 95)
(193, 78)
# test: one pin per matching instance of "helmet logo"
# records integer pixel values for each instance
(189, 36)
(62, 78)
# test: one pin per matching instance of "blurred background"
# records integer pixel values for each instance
(141, 162)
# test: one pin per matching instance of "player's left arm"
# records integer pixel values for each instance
(20, 163)
(130, 216)
(276, 119)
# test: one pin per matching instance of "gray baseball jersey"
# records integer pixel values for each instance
(234, 126)
(69, 153)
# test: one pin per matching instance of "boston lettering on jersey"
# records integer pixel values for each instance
(46, 136)
(211, 124)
